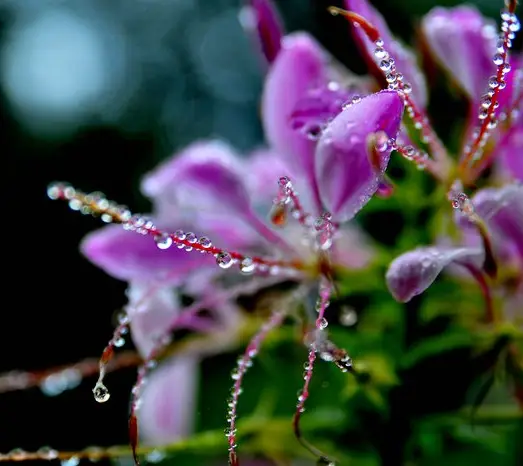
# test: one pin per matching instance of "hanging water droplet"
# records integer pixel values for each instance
(380, 53)
(379, 42)
(163, 241)
(278, 214)
(322, 323)
(17, 454)
(119, 342)
(407, 88)
(179, 234)
(101, 393)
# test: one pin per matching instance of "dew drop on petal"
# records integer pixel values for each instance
(247, 265)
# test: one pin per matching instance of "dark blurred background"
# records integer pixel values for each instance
(96, 92)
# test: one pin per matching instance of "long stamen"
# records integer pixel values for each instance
(472, 161)
(321, 325)
(244, 362)
(286, 201)
(386, 64)
(97, 204)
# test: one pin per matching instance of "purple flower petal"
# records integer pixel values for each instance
(169, 401)
(320, 105)
(502, 209)
(300, 66)
(129, 256)
(346, 177)
(511, 97)
(261, 17)
(151, 309)
(405, 60)
(413, 272)
(510, 150)
(464, 42)
(205, 181)
(205, 176)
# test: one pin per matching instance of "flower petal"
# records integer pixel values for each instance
(351, 248)
(346, 177)
(261, 17)
(151, 310)
(464, 42)
(404, 58)
(169, 401)
(509, 151)
(207, 184)
(129, 256)
(300, 66)
(502, 209)
(205, 176)
(413, 272)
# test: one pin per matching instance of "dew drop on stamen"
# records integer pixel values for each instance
(47, 453)
(247, 265)
(163, 241)
(205, 242)
(498, 59)
(191, 237)
(101, 393)
(322, 323)
(224, 260)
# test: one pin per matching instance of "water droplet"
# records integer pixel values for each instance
(155, 456)
(100, 392)
(356, 99)
(47, 453)
(179, 234)
(348, 317)
(322, 323)
(55, 190)
(379, 42)
(224, 260)
(191, 237)
(17, 454)
(205, 242)
(163, 241)
(247, 265)
(407, 88)
(498, 59)
(73, 461)
(119, 342)
(278, 214)
(386, 65)
(486, 101)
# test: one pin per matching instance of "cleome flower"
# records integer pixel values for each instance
(330, 136)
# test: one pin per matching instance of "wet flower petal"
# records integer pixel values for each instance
(128, 256)
(405, 59)
(261, 17)
(413, 272)
(346, 177)
(168, 401)
(151, 309)
(319, 106)
(464, 42)
(351, 248)
(300, 66)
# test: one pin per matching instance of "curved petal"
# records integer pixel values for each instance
(319, 106)
(151, 310)
(464, 42)
(502, 209)
(206, 176)
(346, 177)
(404, 58)
(129, 256)
(261, 17)
(300, 66)
(168, 401)
(205, 182)
(509, 152)
(413, 272)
